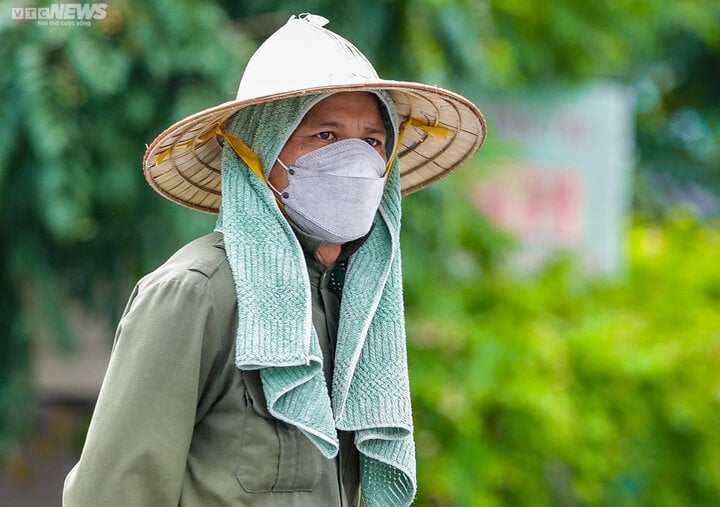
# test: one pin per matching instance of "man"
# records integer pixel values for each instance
(265, 363)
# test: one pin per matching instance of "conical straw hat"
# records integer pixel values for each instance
(441, 129)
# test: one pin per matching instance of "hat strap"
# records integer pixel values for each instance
(240, 148)
(431, 130)
(243, 150)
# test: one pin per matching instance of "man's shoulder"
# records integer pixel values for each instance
(204, 255)
(201, 262)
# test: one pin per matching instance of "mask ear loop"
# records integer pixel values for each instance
(431, 130)
(252, 161)
(246, 154)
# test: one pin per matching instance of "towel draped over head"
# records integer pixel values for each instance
(370, 395)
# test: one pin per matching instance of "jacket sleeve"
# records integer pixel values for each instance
(137, 443)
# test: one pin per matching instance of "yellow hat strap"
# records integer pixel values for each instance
(243, 150)
(431, 130)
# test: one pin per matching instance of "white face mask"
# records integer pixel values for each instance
(334, 192)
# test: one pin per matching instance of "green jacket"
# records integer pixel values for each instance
(176, 423)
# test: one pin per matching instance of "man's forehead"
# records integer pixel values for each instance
(338, 109)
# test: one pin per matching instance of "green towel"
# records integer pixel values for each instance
(370, 391)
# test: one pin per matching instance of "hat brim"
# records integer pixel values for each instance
(183, 163)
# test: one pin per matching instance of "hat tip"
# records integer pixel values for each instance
(314, 19)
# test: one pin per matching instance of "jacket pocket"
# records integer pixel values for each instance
(273, 456)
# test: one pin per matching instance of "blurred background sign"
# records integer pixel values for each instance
(563, 181)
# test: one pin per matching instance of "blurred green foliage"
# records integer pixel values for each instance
(552, 389)
(557, 389)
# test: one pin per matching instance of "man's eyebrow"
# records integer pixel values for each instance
(338, 124)
(326, 123)
(375, 130)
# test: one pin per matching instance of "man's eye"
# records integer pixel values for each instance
(326, 136)
(372, 142)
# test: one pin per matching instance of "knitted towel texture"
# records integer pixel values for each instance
(370, 391)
